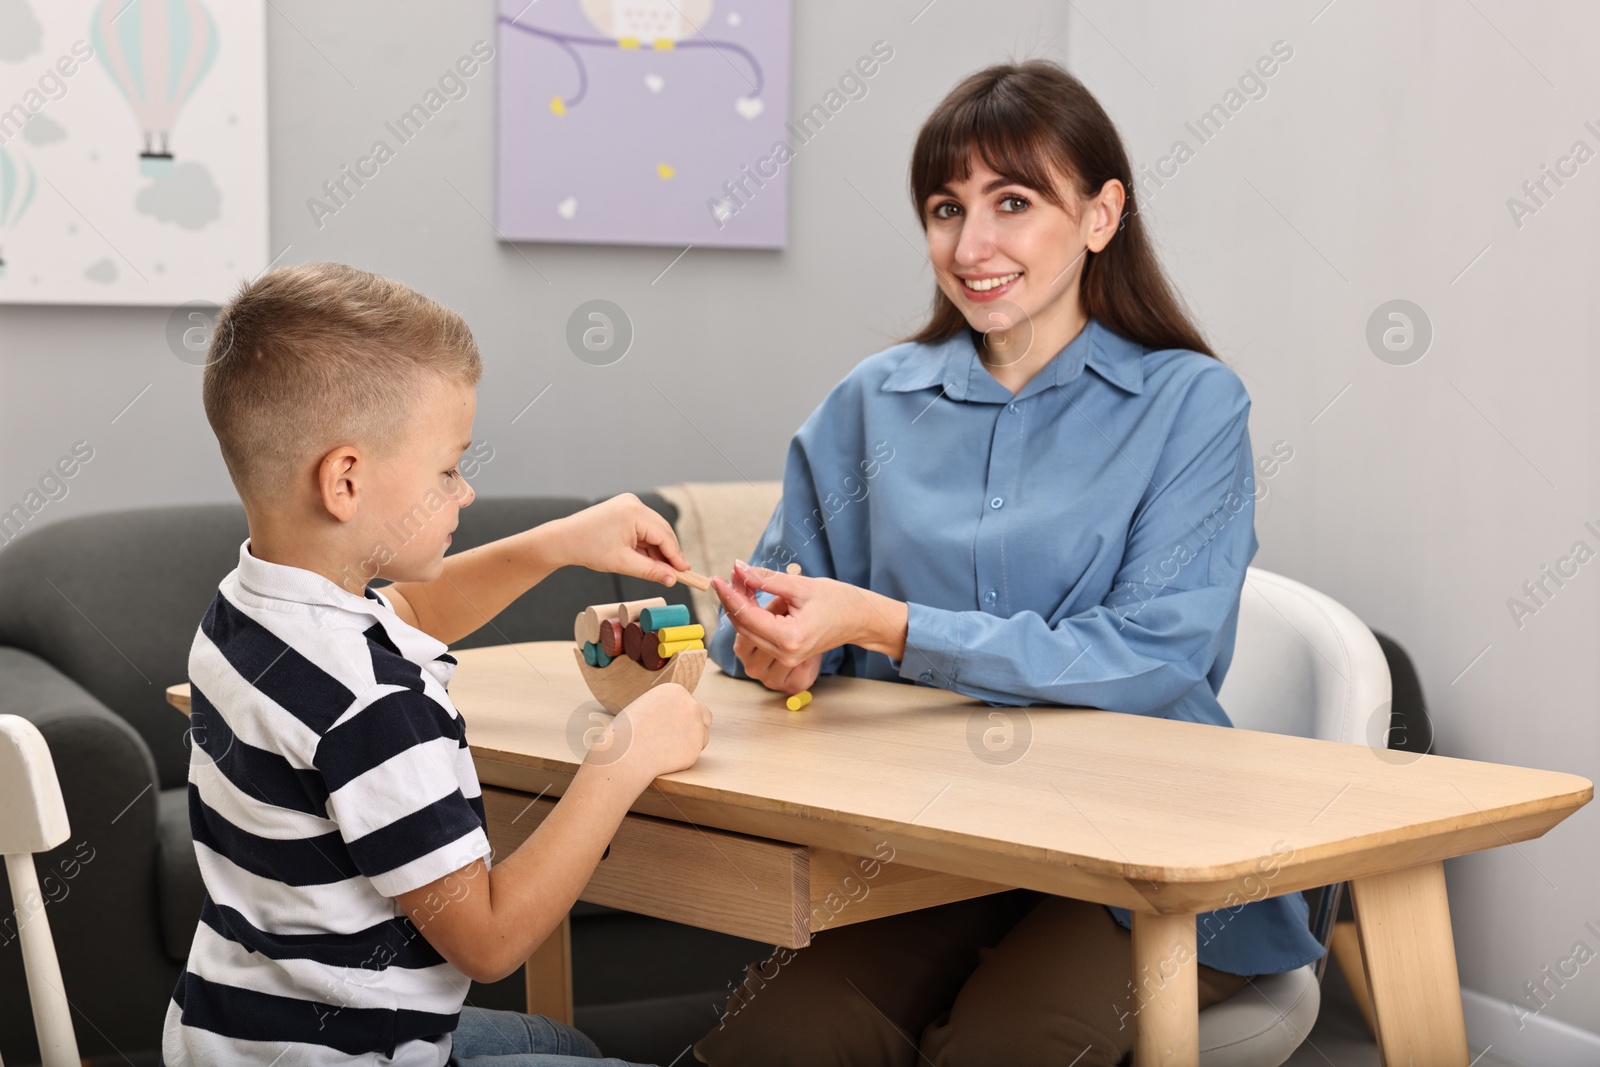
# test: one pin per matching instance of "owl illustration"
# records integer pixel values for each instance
(647, 20)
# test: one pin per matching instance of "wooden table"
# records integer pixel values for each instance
(880, 798)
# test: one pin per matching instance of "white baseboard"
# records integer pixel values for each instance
(1539, 1041)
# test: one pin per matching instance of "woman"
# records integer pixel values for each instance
(1044, 496)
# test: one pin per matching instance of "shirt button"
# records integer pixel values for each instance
(927, 678)
(1011, 408)
(996, 502)
(990, 597)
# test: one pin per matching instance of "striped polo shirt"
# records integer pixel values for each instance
(329, 773)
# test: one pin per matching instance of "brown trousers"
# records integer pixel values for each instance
(1017, 977)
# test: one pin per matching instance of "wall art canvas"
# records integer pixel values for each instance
(133, 150)
(653, 122)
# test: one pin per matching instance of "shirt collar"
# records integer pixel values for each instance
(954, 365)
(276, 581)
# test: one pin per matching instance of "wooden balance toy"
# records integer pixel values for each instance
(625, 649)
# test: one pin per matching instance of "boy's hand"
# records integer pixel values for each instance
(622, 536)
(660, 732)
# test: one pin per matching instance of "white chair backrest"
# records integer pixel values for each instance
(1304, 664)
(33, 818)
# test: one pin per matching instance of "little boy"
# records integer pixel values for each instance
(335, 808)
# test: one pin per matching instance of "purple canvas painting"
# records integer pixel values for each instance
(652, 122)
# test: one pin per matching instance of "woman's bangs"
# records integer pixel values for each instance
(1010, 142)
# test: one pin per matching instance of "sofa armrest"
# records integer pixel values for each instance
(100, 885)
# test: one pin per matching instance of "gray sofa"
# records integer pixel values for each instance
(96, 618)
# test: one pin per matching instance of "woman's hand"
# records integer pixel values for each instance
(764, 667)
(620, 535)
(782, 644)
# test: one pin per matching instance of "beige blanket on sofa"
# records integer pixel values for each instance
(719, 522)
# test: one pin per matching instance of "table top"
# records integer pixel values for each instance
(1152, 814)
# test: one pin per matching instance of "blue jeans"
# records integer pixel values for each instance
(485, 1038)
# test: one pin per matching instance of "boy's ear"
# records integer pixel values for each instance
(337, 477)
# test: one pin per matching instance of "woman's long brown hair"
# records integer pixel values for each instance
(1021, 119)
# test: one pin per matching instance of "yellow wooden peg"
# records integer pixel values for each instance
(669, 634)
(668, 649)
(799, 700)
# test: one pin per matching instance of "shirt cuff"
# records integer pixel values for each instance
(446, 859)
(933, 644)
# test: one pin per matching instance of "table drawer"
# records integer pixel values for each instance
(739, 885)
(767, 891)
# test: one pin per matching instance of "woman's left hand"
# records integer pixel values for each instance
(820, 614)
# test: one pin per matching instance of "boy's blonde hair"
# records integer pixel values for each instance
(310, 357)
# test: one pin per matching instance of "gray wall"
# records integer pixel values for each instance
(1376, 167)
(732, 348)
(1380, 159)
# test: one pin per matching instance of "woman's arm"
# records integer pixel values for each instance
(1154, 637)
(798, 532)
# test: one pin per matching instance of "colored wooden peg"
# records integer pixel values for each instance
(633, 642)
(793, 568)
(611, 637)
(667, 649)
(656, 617)
(668, 634)
(587, 626)
(629, 610)
(799, 700)
(650, 657)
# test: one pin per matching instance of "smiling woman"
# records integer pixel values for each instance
(1061, 159)
(1061, 432)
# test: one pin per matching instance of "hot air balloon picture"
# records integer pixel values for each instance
(16, 193)
(157, 52)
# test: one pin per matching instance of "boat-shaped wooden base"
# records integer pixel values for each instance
(623, 681)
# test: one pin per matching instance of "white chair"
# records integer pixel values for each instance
(1303, 664)
(33, 818)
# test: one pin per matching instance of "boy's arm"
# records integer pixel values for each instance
(477, 584)
(488, 922)
(620, 535)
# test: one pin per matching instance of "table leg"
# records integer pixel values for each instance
(549, 976)
(1346, 948)
(1166, 990)
(1404, 920)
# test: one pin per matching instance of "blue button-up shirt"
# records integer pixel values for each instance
(1080, 542)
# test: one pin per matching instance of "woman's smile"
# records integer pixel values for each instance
(982, 288)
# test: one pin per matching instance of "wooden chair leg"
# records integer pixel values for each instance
(548, 976)
(1346, 947)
